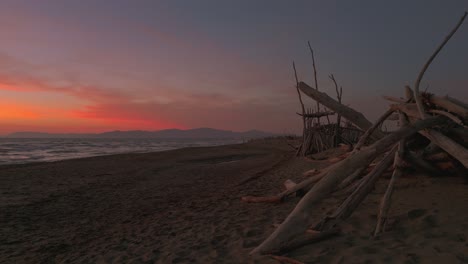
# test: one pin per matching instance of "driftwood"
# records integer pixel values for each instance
(417, 97)
(315, 75)
(288, 184)
(364, 188)
(371, 129)
(385, 203)
(317, 114)
(440, 119)
(451, 147)
(394, 99)
(298, 220)
(350, 114)
(451, 105)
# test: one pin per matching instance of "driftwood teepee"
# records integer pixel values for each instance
(441, 120)
(318, 136)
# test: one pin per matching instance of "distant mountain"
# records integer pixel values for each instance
(197, 133)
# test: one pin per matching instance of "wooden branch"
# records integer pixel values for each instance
(339, 94)
(315, 75)
(451, 147)
(300, 100)
(350, 114)
(394, 99)
(364, 188)
(300, 218)
(386, 199)
(351, 178)
(317, 114)
(411, 110)
(451, 104)
(288, 184)
(409, 95)
(369, 131)
(448, 115)
(417, 96)
(397, 172)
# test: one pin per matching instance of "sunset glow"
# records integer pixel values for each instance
(92, 67)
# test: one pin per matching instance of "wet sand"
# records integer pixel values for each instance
(183, 206)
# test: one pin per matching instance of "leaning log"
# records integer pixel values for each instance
(300, 218)
(358, 195)
(451, 147)
(397, 173)
(451, 105)
(350, 114)
(371, 129)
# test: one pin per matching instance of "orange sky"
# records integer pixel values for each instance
(88, 66)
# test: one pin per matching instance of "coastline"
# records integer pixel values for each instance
(183, 206)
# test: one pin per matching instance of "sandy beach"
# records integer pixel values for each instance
(184, 206)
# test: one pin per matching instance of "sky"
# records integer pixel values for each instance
(92, 66)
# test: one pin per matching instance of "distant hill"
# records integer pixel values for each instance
(162, 134)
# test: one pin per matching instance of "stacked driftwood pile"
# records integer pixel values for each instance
(318, 136)
(433, 136)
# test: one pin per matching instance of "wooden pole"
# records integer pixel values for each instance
(315, 77)
(417, 96)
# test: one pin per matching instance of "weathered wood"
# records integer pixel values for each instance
(315, 75)
(371, 130)
(311, 172)
(301, 102)
(350, 114)
(408, 93)
(317, 114)
(364, 188)
(451, 104)
(448, 115)
(394, 99)
(351, 178)
(339, 96)
(451, 147)
(411, 110)
(386, 199)
(417, 96)
(397, 172)
(288, 184)
(300, 218)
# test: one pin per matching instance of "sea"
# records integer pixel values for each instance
(26, 150)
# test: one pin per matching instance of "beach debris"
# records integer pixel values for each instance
(316, 136)
(311, 172)
(432, 137)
